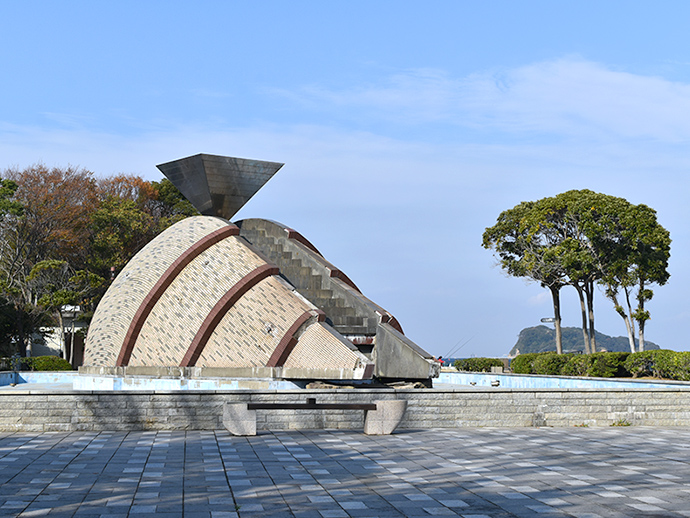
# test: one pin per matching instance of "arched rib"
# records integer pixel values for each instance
(163, 283)
(288, 342)
(221, 308)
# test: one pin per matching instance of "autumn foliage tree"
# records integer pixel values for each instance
(130, 213)
(86, 225)
(54, 222)
(57, 205)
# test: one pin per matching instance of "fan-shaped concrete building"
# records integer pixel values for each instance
(253, 299)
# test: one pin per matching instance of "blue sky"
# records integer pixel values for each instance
(405, 127)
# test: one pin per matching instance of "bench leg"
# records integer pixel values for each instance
(385, 418)
(238, 419)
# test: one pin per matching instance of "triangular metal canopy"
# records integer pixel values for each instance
(218, 185)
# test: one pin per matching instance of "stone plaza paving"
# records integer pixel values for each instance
(487, 472)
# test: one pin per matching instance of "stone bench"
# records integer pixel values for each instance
(380, 417)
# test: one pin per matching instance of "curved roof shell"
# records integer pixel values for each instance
(199, 295)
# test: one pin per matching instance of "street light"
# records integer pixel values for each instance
(71, 313)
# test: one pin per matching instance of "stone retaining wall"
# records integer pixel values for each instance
(22, 410)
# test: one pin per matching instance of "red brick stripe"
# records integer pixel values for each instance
(296, 236)
(333, 272)
(288, 342)
(163, 283)
(221, 308)
(337, 274)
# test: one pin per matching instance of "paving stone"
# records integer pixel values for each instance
(445, 472)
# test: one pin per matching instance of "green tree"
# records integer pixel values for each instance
(581, 238)
(119, 230)
(56, 285)
(566, 241)
(11, 318)
(52, 224)
(169, 206)
(131, 212)
(640, 249)
(526, 248)
(8, 205)
(7, 321)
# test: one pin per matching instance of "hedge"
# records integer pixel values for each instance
(523, 364)
(37, 363)
(662, 363)
(477, 364)
(47, 363)
(550, 364)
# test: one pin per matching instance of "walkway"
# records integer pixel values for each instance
(583, 472)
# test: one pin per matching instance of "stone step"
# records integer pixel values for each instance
(326, 301)
(351, 330)
(301, 276)
(333, 307)
(347, 320)
(322, 297)
(310, 285)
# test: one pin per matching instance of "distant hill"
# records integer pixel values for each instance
(541, 338)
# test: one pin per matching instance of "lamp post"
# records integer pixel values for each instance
(72, 313)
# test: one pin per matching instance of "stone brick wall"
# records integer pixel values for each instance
(129, 289)
(183, 306)
(438, 408)
(199, 295)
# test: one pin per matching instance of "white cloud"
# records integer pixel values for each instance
(567, 97)
(404, 217)
(576, 97)
(540, 299)
(415, 96)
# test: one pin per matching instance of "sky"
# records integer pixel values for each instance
(405, 127)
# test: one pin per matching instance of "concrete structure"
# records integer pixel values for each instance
(199, 295)
(536, 381)
(386, 418)
(50, 410)
(380, 417)
(374, 331)
(253, 299)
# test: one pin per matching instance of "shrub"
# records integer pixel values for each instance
(648, 363)
(607, 365)
(660, 364)
(577, 365)
(674, 366)
(600, 365)
(640, 364)
(619, 358)
(47, 363)
(7, 364)
(549, 364)
(522, 364)
(477, 364)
